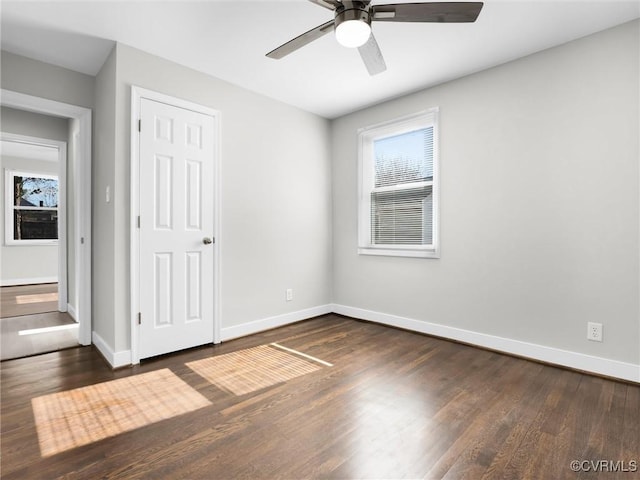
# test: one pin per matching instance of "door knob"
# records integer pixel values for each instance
(207, 241)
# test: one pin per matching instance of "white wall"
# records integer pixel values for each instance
(539, 203)
(28, 264)
(276, 203)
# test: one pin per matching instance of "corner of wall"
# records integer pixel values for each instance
(116, 359)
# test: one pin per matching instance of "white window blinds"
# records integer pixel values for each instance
(402, 197)
(398, 187)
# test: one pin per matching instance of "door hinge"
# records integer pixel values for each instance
(139, 125)
(139, 318)
(138, 221)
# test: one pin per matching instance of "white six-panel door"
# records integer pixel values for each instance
(176, 225)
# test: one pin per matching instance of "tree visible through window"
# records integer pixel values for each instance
(398, 165)
(34, 207)
(405, 163)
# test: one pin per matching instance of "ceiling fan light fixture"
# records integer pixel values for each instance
(353, 33)
(352, 24)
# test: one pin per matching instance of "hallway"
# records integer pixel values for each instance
(31, 323)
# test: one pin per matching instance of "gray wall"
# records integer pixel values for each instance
(23, 263)
(276, 202)
(26, 264)
(33, 124)
(103, 234)
(540, 196)
(32, 77)
(539, 202)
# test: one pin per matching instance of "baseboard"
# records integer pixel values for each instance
(556, 356)
(115, 359)
(72, 312)
(578, 361)
(256, 326)
(27, 281)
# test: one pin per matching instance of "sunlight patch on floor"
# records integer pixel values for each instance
(37, 298)
(55, 328)
(253, 369)
(70, 419)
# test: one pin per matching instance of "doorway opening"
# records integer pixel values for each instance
(33, 276)
(44, 204)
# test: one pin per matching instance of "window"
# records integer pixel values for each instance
(31, 208)
(398, 204)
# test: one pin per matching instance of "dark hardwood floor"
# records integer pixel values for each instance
(394, 405)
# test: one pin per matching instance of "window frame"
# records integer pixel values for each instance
(9, 208)
(366, 177)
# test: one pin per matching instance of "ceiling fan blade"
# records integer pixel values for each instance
(301, 40)
(330, 4)
(450, 12)
(372, 56)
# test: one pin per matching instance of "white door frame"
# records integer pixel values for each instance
(137, 94)
(82, 194)
(61, 243)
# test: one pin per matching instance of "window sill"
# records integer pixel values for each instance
(398, 252)
(30, 243)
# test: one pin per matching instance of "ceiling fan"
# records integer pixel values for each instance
(352, 24)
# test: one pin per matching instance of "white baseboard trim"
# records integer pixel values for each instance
(556, 356)
(12, 282)
(115, 359)
(256, 326)
(579, 361)
(72, 312)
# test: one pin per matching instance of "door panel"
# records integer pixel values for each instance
(176, 214)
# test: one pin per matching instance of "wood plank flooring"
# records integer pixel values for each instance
(28, 299)
(394, 405)
(26, 308)
(23, 336)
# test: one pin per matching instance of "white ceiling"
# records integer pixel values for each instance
(229, 39)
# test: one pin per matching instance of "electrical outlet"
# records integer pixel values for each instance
(594, 331)
(289, 294)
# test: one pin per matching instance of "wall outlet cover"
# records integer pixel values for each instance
(594, 331)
